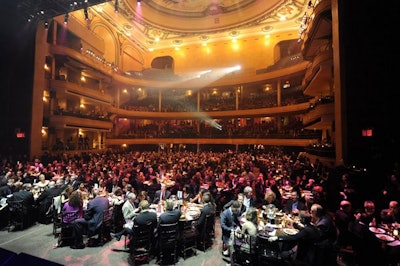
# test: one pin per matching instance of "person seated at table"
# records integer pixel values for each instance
(270, 198)
(28, 204)
(367, 247)
(170, 215)
(74, 203)
(144, 217)
(229, 223)
(187, 193)
(370, 216)
(92, 220)
(249, 200)
(391, 214)
(250, 222)
(326, 252)
(66, 193)
(306, 238)
(199, 196)
(208, 208)
(161, 194)
(240, 199)
(343, 217)
(293, 205)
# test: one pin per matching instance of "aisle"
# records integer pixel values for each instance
(39, 241)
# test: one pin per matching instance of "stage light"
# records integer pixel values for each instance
(85, 11)
(116, 8)
(139, 2)
(66, 18)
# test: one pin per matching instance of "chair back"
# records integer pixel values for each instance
(245, 249)
(65, 235)
(207, 233)
(168, 241)
(140, 245)
(189, 236)
(118, 220)
(16, 212)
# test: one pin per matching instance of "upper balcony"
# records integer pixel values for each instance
(319, 29)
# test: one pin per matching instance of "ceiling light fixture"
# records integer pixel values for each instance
(116, 6)
(66, 18)
(85, 11)
(139, 2)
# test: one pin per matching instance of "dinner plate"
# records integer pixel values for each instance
(384, 237)
(394, 243)
(376, 230)
(290, 231)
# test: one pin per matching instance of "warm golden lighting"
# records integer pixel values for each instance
(124, 145)
(44, 99)
(44, 132)
(151, 49)
(46, 67)
(83, 78)
(125, 91)
(82, 105)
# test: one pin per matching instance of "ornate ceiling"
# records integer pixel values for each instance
(165, 23)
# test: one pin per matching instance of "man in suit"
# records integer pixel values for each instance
(325, 250)
(145, 217)
(170, 215)
(229, 222)
(208, 208)
(28, 203)
(294, 205)
(92, 219)
(161, 194)
(307, 236)
(45, 200)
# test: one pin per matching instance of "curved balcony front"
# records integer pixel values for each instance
(62, 121)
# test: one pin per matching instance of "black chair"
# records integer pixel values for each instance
(103, 232)
(188, 237)
(17, 215)
(65, 236)
(141, 243)
(244, 249)
(207, 233)
(269, 253)
(56, 209)
(168, 243)
(118, 220)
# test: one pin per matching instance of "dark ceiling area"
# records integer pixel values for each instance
(36, 10)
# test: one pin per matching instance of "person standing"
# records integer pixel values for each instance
(229, 223)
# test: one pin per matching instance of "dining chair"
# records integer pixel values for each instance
(188, 237)
(207, 233)
(141, 244)
(65, 235)
(244, 249)
(16, 212)
(168, 243)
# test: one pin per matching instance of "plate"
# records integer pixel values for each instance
(384, 237)
(394, 243)
(290, 231)
(376, 230)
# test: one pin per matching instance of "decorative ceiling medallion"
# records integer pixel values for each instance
(177, 42)
(266, 28)
(204, 38)
(234, 33)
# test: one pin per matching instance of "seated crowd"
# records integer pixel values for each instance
(231, 185)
